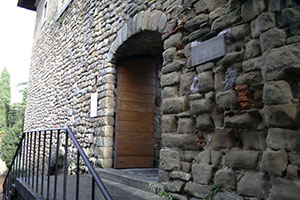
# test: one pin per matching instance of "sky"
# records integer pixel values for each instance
(16, 38)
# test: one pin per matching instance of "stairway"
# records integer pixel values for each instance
(124, 184)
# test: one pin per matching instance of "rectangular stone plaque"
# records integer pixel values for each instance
(208, 50)
(94, 104)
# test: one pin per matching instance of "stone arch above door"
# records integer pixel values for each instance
(144, 21)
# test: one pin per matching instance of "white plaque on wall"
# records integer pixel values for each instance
(94, 97)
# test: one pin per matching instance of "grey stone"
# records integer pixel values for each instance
(277, 63)
(292, 172)
(174, 186)
(272, 38)
(188, 156)
(180, 175)
(240, 31)
(208, 5)
(180, 141)
(295, 29)
(253, 184)
(252, 49)
(176, 65)
(188, 50)
(186, 125)
(168, 123)
(197, 190)
(205, 81)
(226, 178)
(233, 57)
(219, 78)
(202, 173)
(264, 22)
(237, 159)
(294, 158)
(170, 79)
(204, 122)
(196, 35)
(223, 138)
(294, 39)
(252, 8)
(274, 162)
(275, 5)
(173, 40)
(186, 80)
(205, 67)
(162, 23)
(227, 99)
(163, 176)
(154, 20)
(169, 92)
(253, 78)
(200, 106)
(216, 13)
(252, 64)
(186, 166)
(277, 92)
(225, 21)
(204, 157)
(169, 160)
(284, 189)
(169, 54)
(283, 139)
(216, 157)
(227, 196)
(280, 115)
(174, 105)
(195, 22)
(253, 139)
(244, 120)
(290, 16)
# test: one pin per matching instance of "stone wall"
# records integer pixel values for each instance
(238, 126)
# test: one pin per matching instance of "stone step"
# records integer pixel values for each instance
(117, 190)
(141, 178)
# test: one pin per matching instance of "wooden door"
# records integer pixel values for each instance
(134, 141)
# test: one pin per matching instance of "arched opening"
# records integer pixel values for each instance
(137, 132)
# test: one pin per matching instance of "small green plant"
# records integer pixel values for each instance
(216, 188)
(165, 195)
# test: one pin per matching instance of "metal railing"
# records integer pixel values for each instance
(32, 164)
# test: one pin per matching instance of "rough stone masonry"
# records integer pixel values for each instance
(238, 126)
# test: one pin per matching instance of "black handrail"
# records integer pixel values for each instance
(23, 153)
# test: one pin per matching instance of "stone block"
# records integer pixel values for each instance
(195, 22)
(240, 31)
(180, 141)
(252, 8)
(284, 189)
(216, 13)
(226, 100)
(225, 21)
(163, 176)
(162, 23)
(173, 40)
(275, 5)
(200, 106)
(227, 196)
(233, 57)
(202, 173)
(252, 49)
(186, 80)
(281, 63)
(180, 175)
(251, 78)
(274, 162)
(196, 35)
(204, 157)
(283, 139)
(168, 123)
(170, 79)
(169, 160)
(105, 163)
(204, 122)
(280, 115)
(205, 6)
(169, 92)
(262, 23)
(174, 186)
(174, 66)
(188, 156)
(186, 166)
(252, 64)
(186, 125)
(244, 120)
(294, 158)
(292, 172)
(290, 16)
(253, 184)
(174, 105)
(205, 81)
(272, 38)
(226, 177)
(205, 67)
(277, 92)
(216, 157)
(253, 140)
(197, 190)
(169, 54)
(223, 138)
(239, 159)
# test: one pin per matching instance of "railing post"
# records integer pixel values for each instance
(56, 164)
(65, 167)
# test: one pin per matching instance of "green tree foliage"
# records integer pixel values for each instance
(13, 129)
(4, 98)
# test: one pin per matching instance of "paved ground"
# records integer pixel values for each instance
(117, 190)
